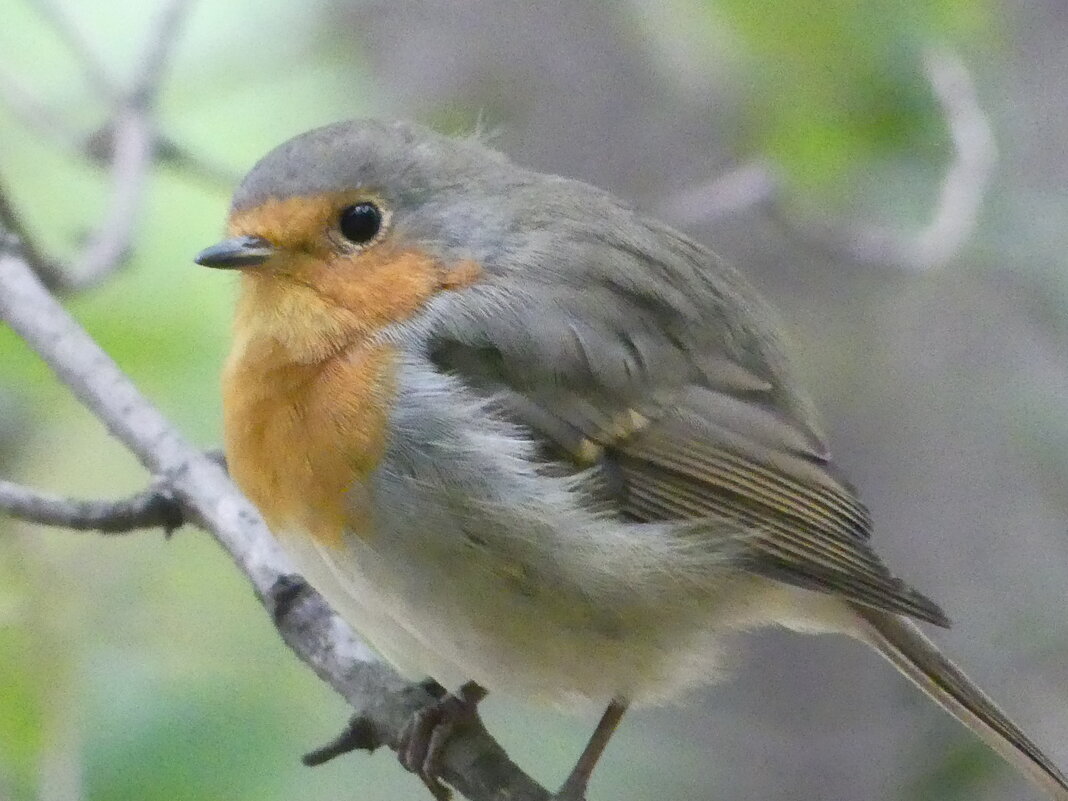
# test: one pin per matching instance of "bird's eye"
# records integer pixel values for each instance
(360, 222)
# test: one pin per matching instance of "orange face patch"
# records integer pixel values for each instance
(306, 397)
(317, 293)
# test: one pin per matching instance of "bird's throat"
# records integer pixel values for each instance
(305, 421)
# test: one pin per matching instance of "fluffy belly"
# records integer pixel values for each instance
(454, 620)
(462, 623)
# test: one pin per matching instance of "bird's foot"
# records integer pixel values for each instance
(422, 742)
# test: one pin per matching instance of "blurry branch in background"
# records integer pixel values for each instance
(96, 147)
(750, 185)
(963, 187)
(753, 185)
(127, 144)
(131, 141)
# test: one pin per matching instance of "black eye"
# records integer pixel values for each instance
(360, 222)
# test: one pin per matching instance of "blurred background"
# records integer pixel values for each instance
(138, 668)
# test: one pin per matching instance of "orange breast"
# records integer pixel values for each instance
(302, 437)
(305, 395)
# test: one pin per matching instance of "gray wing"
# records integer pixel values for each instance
(648, 360)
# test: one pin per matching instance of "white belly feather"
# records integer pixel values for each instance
(462, 627)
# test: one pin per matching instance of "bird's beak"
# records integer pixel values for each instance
(238, 251)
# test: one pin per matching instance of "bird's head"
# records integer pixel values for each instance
(349, 228)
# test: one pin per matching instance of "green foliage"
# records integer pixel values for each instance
(836, 84)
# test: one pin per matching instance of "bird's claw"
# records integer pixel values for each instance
(423, 739)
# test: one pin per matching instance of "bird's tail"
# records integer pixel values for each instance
(904, 645)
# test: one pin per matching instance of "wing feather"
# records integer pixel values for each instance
(665, 373)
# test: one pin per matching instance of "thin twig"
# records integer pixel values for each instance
(952, 221)
(98, 146)
(966, 180)
(171, 154)
(128, 144)
(159, 47)
(133, 144)
(110, 243)
(474, 763)
(153, 508)
(38, 117)
(745, 187)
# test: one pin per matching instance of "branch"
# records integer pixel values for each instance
(153, 508)
(97, 147)
(473, 762)
(170, 153)
(976, 154)
(158, 49)
(963, 187)
(36, 115)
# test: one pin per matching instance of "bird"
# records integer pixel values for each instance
(529, 440)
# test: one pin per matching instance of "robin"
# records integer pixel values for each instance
(527, 439)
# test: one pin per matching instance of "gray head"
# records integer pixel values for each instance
(452, 196)
(401, 160)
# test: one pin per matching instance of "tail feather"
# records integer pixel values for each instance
(904, 645)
